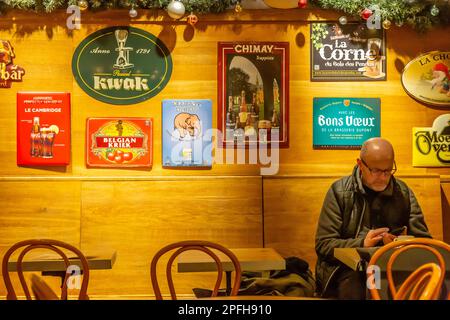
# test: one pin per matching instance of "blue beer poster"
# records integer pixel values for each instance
(345, 123)
(186, 133)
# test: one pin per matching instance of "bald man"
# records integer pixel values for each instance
(361, 210)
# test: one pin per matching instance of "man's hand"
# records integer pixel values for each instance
(374, 236)
(388, 238)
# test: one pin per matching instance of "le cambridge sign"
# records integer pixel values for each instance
(122, 65)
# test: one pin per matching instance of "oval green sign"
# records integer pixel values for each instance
(122, 65)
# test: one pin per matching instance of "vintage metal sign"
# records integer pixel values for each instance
(345, 123)
(427, 78)
(9, 72)
(119, 142)
(431, 146)
(350, 52)
(43, 128)
(186, 133)
(122, 65)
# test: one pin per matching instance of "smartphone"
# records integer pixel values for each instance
(398, 231)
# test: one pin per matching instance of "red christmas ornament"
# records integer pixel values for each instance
(302, 3)
(366, 13)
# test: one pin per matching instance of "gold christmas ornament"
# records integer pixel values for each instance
(386, 24)
(83, 4)
(238, 8)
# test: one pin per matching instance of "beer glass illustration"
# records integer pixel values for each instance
(123, 60)
(374, 63)
(47, 140)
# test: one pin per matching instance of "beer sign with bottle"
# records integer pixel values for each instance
(119, 142)
(43, 128)
(350, 52)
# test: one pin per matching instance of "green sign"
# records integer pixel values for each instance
(345, 123)
(122, 65)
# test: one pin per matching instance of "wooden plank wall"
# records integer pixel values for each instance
(138, 211)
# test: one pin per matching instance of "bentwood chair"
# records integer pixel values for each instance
(424, 283)
(54, 245)
(204, 246)
(41, 289)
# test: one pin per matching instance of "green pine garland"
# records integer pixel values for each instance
(413, 12)
(197, 6)
(416, 13)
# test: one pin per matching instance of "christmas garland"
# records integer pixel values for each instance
(197, 6)
(421, 14)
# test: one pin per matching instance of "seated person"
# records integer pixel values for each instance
(358, 211)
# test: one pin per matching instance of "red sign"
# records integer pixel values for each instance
(119, 142)
(9, 72)
(43, 128)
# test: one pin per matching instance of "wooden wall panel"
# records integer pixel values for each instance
(292, 207)
(291, 211)
(428, 194)
(137, 211)
(139, 218)
(194, 54)
(38, 210)
(445, 200)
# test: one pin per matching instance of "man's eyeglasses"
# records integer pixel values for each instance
(375, 172)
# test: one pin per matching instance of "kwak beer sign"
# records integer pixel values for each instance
(122, 65)
(431, 146)
(427, 78)
(345, 123)
(350, 52)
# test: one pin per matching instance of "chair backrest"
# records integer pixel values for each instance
(53, 245)
(204, 246)
(425, 282)
(41, 289)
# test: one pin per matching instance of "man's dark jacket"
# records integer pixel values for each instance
(341, 222)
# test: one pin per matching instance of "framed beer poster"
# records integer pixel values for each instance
(345, 123)
(119, 142)
(350, 52)
(253, 92)
(43, 128)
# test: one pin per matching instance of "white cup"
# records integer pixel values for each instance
(403, 238)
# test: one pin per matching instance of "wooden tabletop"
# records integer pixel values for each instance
(53, 262)
(408, 261)
(251, 259)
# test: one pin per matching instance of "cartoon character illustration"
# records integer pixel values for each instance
(441, 78)
(119, 127)
(6, 52)
(446, 130)
(337, 30)
(187, 124)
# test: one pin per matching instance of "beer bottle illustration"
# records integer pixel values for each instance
(35, 138)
